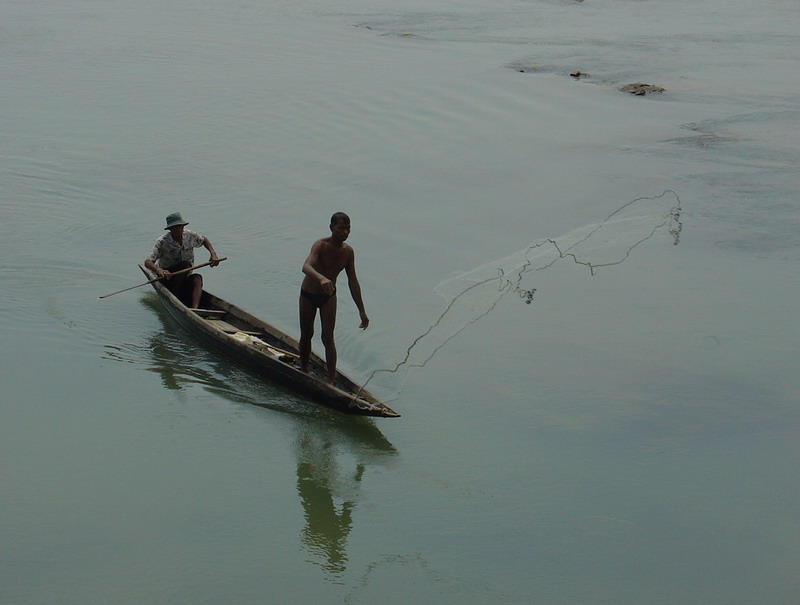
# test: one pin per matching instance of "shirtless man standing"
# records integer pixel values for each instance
(326, 260)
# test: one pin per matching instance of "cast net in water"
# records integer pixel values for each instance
(473, 294)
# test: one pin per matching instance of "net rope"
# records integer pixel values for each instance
(473, 294)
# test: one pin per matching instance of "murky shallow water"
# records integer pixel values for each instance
(628, 436)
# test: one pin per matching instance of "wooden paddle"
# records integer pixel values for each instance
(160, 278)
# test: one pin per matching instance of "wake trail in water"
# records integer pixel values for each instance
(472, 295)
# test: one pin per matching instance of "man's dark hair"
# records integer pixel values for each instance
(339, 217)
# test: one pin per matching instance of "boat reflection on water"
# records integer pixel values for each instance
(327, 526)
(329, 473)
(332, 450)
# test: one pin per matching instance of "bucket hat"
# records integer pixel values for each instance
(175, 219)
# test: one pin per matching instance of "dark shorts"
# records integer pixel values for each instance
(181, 285)
(318, 300)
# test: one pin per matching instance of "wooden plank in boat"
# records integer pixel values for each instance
(210, 312)
(223, 325)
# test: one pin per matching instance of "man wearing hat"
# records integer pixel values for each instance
(174, 251)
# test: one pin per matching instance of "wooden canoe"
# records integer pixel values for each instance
(268, 352)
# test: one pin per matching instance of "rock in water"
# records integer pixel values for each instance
(640, 89)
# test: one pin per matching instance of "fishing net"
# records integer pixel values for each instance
(471, 295)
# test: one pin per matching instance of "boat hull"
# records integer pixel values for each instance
(268, 352)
